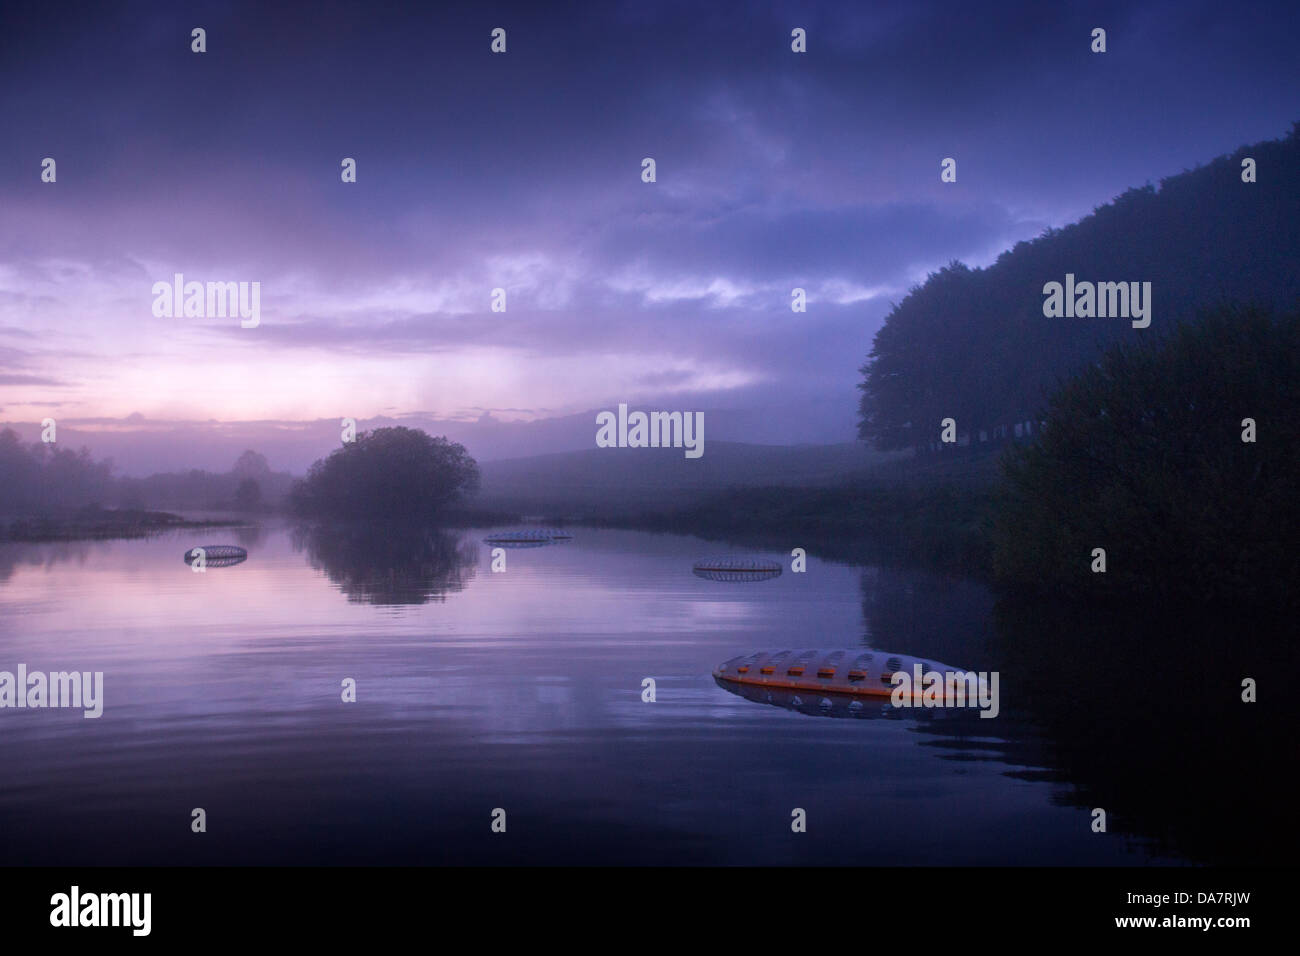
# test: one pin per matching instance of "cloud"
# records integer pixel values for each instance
(522, 171)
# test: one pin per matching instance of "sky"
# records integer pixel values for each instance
(523, 171)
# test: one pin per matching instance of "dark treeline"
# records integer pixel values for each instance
(937, 524)
(250, 485)
(44, 479)
(1177, 456)
(974, 345)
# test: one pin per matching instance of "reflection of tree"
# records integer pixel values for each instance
(1147, 722)
(39, 555)
(9, 558)
(389, 564)
(249, 535)
(927, 614)
(946, 618)
(1137, 713)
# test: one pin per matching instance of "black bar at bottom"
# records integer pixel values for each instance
(947, 905)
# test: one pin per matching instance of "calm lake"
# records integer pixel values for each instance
(522, 690)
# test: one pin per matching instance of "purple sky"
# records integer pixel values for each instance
(522, 171)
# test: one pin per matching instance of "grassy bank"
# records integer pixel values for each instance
(97, 524)
(937, 511)
(945, 527)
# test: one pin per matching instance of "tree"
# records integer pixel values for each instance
(1143, 455)
(44, 479)
(974, 345)
(388, 473)
(251, 465)
(248, 495)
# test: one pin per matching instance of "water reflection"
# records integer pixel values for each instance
(14, 555)
(1137, 711)
(928, 614)
(1146, 718)
(249, 535)
(525, 691)
(389, 564)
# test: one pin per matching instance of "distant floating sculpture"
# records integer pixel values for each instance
(217, 555)
(737, 569)
(531, 538)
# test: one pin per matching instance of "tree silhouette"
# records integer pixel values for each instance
(388, 473)
(974, 345)
(1143, 456)
(248, 495)
(42, 478)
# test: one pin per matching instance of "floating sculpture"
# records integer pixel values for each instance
(737, 569)
(860, 673)
(519, 539)
(216, 555)
(850, 683)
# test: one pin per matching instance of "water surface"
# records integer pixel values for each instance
(519, 690)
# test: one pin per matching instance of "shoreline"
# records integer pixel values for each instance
(98, 526)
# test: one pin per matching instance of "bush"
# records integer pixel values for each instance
(1142, 455)
(388, 473)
